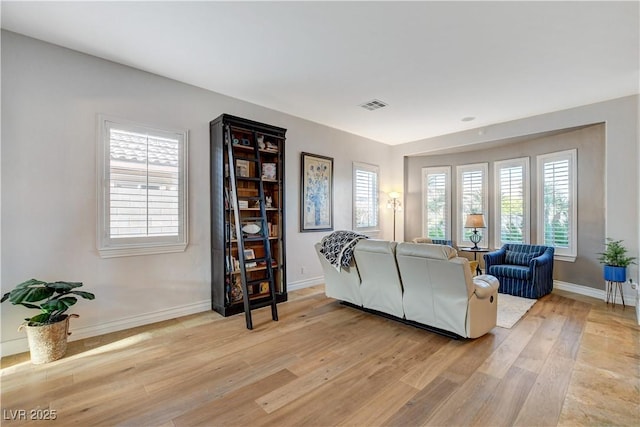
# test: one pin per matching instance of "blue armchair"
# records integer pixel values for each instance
(523, 270)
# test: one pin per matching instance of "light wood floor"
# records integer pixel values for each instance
(570, 361)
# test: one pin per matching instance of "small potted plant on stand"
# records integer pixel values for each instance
(47, 331)
(615, 261)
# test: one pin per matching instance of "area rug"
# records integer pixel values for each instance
(511, 309)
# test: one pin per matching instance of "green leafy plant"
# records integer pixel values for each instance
(55, 299)
(615, 254)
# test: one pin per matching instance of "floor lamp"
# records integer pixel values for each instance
(395, 204)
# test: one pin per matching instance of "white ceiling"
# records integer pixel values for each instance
(432, 62)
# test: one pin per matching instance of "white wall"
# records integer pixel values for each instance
(622, 207)
(50, 98)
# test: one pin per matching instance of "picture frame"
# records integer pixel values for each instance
(242, 168)
(249, 254)
(269, 171)
(316, 193)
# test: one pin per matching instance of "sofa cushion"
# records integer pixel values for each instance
(426, 250)
(512, 271)
(518, 258)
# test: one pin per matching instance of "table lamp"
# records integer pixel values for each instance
(475, 221)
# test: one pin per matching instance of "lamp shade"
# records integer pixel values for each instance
(475, 221)
(394, 195)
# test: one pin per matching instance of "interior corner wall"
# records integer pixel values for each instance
(590, 145)
(621, 174)
(50, 99)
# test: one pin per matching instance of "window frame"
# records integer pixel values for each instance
(426, 171)
(526, 184)
(371, 168)
(110, 247)
(571, 252)
(460, 170)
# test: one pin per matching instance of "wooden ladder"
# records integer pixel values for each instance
(261, 237)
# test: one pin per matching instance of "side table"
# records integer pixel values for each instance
(612, 289)
(475, 254)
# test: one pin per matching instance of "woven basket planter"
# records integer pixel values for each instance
(48, 342)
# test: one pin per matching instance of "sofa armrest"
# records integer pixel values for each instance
(494, 258)
(545, 258)
(485, 285)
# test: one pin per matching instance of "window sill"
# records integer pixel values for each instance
(141, 250)
(567, 258)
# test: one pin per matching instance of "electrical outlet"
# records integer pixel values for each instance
(632, 284)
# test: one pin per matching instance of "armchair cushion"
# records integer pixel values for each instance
(512, 271)
(519, 258)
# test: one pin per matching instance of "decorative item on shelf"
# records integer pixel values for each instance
(395, 204)
(252, 228)
(268, 201)
(271, 146)
(256, 204)
(236, 141)
(248, 255)
(268, 171)
(242, 168)
(264, 287)
(261, 144)
(475, 221)
(48, 330)
(243, 204)
(245, 142)
(236, 289)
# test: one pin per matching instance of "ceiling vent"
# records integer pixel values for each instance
(374, 104)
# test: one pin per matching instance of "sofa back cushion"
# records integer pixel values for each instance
(437, 285)
(344, 284)
(381, 288)
(427, 250)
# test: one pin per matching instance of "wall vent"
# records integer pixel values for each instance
(374, 104)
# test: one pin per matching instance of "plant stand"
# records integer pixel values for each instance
(612, 289)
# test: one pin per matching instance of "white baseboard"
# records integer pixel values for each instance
(20, 345)
(307, 283)
(630, 295)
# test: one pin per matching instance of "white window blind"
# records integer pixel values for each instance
(512, 201)
(556, 200)
(143, 186)
(436, 202)
(144, 181)
(365, 197)
(472, 198)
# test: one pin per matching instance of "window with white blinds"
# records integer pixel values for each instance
(557, 218)
(365, 197)
(436, 202)
(472, 198)
(511, 201)
(142, 189)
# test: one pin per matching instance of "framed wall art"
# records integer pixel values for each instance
(316, 193)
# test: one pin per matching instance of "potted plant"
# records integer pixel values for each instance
(48, 330)
(615, 261)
